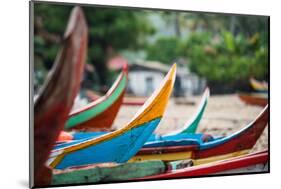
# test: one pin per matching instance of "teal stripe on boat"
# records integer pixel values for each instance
(99, 108)
(194, 125)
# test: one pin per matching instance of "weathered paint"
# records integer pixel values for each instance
(122, 144)
(56, 97)
(99, 173)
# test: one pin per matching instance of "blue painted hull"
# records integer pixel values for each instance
(182, 139)
(119, 149)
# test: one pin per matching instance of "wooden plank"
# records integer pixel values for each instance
(56, 97)
(99, 173)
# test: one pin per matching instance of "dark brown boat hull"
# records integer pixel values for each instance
(55, 101)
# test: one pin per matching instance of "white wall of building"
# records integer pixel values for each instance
(138, 82)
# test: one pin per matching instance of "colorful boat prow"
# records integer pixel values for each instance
(192, 124)
(100, 113)
(120, 145)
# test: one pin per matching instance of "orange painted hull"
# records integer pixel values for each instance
(104, 120)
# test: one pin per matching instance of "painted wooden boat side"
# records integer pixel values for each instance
(101, 113)
(215, 167)
(101, 173)
(192, 124)
(183, 155)
(120, 145)
(242, 140)
(53, 105)
(254, 99)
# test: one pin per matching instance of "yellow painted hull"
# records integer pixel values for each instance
(187, 155)
(220, 157)
(164, 157)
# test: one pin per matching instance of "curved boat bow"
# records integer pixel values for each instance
(169, 149)
(120, 145)
(55, 100)
(192, 124)
(101, 113)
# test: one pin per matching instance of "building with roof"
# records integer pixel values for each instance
(146, 76)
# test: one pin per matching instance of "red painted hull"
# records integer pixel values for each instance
(104, 120)
(254, 100)
(242, 141)
(216, 167)
(55, 101)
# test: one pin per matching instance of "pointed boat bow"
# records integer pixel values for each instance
(136, 132)
(192, 124)
(56, 97)
(243, 139)
(100, 113)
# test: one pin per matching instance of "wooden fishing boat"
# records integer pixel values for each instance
(120, 145)
(254, 99)
(106, 172)
(251, 163)
(127, 100)
(110, 172)
(56, 97)
(258, 85)
(100, 114)
(203, 149)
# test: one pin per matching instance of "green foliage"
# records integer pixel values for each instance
(164, 50)
(223, 59)
(225, 49)
(110, 30)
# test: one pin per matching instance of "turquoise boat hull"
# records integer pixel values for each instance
(117, 150)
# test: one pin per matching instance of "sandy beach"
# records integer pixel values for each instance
(225, 114)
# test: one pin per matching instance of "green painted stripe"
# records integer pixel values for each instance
(99, 108)
(194, 125)
(119, 172)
